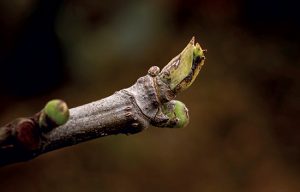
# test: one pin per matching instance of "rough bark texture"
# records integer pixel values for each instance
(127, 111)
(118, 113)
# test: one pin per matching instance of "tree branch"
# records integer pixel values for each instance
(148, 102)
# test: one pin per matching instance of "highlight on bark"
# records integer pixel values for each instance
(5, 132)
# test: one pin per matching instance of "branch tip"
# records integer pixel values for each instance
(183, 69)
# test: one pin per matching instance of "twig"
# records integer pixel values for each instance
(148, 102)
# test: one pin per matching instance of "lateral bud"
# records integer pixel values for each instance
(173, 114)
(54, 114)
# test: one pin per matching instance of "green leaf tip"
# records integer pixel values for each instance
(55, 113)
(177, 113)
(183, 69)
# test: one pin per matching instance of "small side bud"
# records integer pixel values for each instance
(177, 113)
(27, 134)
(55, 113)
(153, 71)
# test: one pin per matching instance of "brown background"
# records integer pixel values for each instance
(244, 107)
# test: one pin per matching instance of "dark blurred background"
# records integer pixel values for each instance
(244, 132)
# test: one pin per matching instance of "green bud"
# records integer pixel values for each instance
(182, 70)
(54, 114)
(177, 113)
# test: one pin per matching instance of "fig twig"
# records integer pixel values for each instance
(147, 102)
